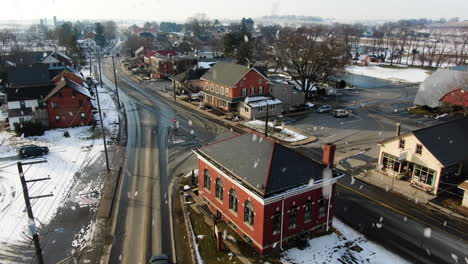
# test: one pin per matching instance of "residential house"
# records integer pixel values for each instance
(87, 43)
(257, 106)
(288, 94)
(147, 56)
(189, 81)
(161, 67)
(57, 61)
(429, 158)
(29, 85)
(226, 84)
(271, 195)
(69, 105)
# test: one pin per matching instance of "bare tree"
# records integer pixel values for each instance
(309, 55)
(199, 25)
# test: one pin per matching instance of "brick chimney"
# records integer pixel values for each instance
(398, 129)
(328, 154)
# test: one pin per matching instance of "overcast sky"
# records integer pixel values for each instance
(179, 10)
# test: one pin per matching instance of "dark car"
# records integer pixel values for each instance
(161, 259)
(32, 151)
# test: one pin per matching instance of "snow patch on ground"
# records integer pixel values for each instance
(344, 246)
(412, 75)
(284, 134)
(65, 160)
(66, 157)
(84, 237)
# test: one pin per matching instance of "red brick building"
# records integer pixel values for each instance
(227, 84)
(69, 105)
(268, 193)
(161, 67)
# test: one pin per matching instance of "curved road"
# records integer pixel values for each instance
(141, 225)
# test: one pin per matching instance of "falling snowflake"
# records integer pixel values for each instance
(427, 232)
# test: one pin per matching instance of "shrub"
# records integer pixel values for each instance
(29, 128)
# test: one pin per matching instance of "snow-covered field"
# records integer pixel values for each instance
(404, 74)
(285, 134)
(343, 246)
(66, 158)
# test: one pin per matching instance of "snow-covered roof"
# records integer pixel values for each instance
(205, 65)
(258, 101)
(440, 83)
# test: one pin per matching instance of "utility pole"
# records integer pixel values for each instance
(102, 128)
(173, 79)
(100, 115)
(27, 200)
(99, 65)
(115, 81)
(90, 64)
(266, 122)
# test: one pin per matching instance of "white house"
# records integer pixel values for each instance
(29, 85)
(87, 43)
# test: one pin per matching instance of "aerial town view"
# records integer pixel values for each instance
(270, 132)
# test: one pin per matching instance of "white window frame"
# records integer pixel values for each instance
(244, 91)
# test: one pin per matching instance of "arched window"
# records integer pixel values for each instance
(219, 189)
(248, 213)
(233, 202)
(206, 180)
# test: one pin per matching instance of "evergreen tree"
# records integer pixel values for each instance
(100, 39)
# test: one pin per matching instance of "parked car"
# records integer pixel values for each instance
(161, 259)
(324, 109)
(32, 151)
(340, 113)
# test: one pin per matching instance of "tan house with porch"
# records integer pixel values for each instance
(429, 158)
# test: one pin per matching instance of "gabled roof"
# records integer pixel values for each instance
(448, 142)
(190, 75)
(70, 73)
(29, 75)
(262, 165)
(65, 82)
(28, 92)
(227, 73)
(151, 53)
(167, 52)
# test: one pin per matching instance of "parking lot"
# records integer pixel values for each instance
(375, 112)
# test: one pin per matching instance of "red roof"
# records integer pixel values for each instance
(167, 52)
(90, 35)
(151, 53)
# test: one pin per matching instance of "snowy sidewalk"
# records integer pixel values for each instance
(398, 186)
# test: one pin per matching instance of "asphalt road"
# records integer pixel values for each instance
(142, 220)
(141, 226)
(406, 228)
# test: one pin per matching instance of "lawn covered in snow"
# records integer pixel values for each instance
(66, 159)
(343, 246)
(403, 74)
(281, 133)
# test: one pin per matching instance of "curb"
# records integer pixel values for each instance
(427, 204)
